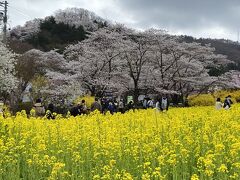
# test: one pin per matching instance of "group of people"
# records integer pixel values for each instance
(225, 105)
(102, 106)
(40, 110)
(80, 108)
(109, 105)
(161, 104)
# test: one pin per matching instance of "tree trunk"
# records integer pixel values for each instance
(93, 91)
(135, 93)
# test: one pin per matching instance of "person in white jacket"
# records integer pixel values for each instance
(218, 104)
(162, 104)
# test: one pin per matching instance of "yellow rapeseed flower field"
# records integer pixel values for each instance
(183, 143)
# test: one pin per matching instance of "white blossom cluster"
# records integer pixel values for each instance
(28, 30)
(8, 82)
(79, 17)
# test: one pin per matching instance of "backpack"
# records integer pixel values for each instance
(227, 104)
(150, 103)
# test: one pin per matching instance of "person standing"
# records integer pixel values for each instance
(96, 106)
(1, 108)
(111, 108)
(145, 101)
(26, 99)
(104, 103)
(163, 103)
(83, 107)
(50, 111)
(130, 105)
(150, 103)
(115, 105)
(39, 108)
(218, 104)
(121, 106)
(157, 106)
(227, 102)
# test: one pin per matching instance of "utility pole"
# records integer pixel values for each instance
(4, 4)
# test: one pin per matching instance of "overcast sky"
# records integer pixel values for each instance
(198, 18)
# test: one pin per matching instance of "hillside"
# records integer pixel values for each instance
(57, 31)
(226, 47)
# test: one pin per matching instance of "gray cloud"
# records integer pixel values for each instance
(205, 18)
(192, 16)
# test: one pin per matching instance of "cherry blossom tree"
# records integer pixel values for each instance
(25, 32)
(8, 81)
(54, 68)
(182, 68)
(136, 55)
(192, 67)
(96, 61)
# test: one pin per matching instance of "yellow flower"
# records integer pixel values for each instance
(29, 162)
(146, 176)
(112, 162)
(209, 172)
(219, 147)
(194, 177)
(172, 159)
(223, 168)
(96, 177)
(127, 176)
(161, 160)
(146, 164)
(58, 166)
